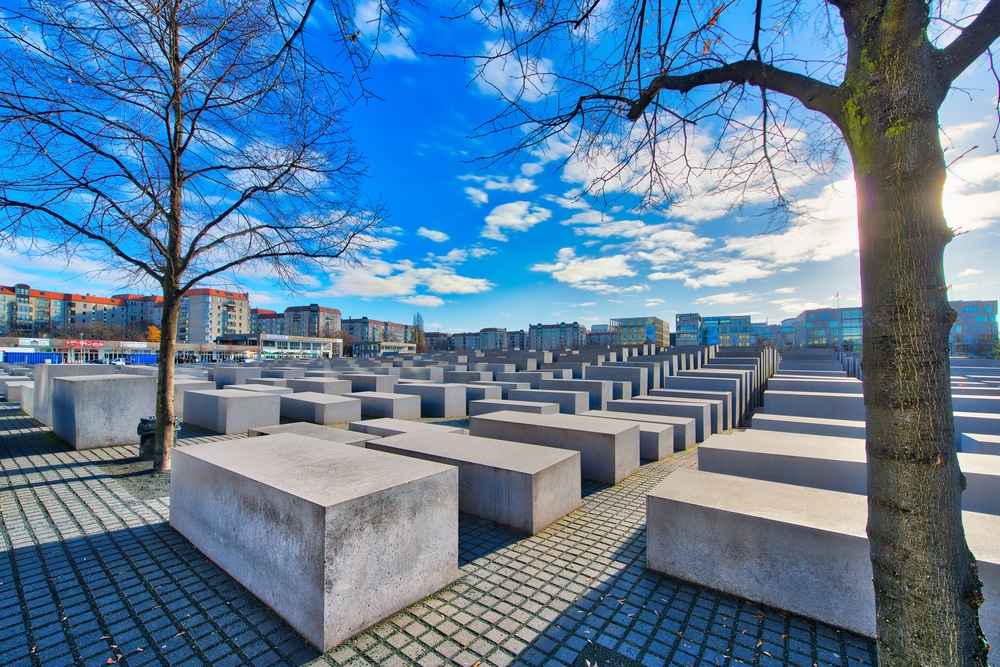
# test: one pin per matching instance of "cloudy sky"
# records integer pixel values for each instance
(478, 243)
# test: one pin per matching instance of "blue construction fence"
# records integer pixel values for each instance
(142, 358)
(31, 357)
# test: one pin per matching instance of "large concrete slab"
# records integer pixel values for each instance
(825, 385)
(386, 427)
(332, 386)
(600, 391)
(682, 427)
(505, 387)
(521, 486)
(569, 402)
(636, 375)
(231, 411)
(329, 433)
(481, 392)
(836, 464)
(730, 386)
(91, 411)
(715, 422)
(980, 443)
(370, 382)
(841, 428)
(224, 375)
(437, 400)
(43, 375)
(821, 405)
(333, 538)
(722, 399)
(533, 378)
(376, 404)
(609, 449)
(485, 406)
(260, 388)
(701, 414)
(795, 548)
(317, 408)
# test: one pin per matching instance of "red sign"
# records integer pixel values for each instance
(84, 343)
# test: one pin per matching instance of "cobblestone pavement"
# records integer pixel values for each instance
(92, 575)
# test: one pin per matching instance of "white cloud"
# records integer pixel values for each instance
(718, 273)
(402, 279)
(518, 216)
(969, 272)
(477, 196)
(571, 199)
(972, 193)
(568, 268)
(606, 288)
(725, 298)
(375, 27)
(481, 252)
(532, 168)
(518, 184)
(784, 290)
(525, 79)
(423, 300)
(433, 235)
(825, 228)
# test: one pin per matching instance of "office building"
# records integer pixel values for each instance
(974, 333)
(640, 331)
(688, 329)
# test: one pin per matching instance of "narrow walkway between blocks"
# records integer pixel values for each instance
(92, 575)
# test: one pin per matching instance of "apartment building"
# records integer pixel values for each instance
(208, 314)
(565, 335)
(366, 330)
(688, 329)
(312, 321)
(28, 311)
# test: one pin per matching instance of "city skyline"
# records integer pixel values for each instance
(482, 244)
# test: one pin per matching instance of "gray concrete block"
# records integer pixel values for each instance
(308, 406)
(183, 384)
(795, 548)
(332, 386)
(730, 386)
(609, 449)
(271, 382)
(485, 406)
(521, 486)
(43, 375)
(225, 375)
(600, 391)
(656, 441)
(386, 427)
(683, 428)
(465, 377)
(637, 376)
(844, 385)
(329, 433)
(429, 373)
(283, 373)
(836, 464)
(481, 392)
(376, 404)
(370, 382)
(306, 525)
(821, 405)
(841, 428)
(976, 422)
(505, 387)
(980, 443)
(91, 411)
(437, 400)
(231, 411)
(723, 398)
(260, 388)
(569, 402)
(715, 423)
(11, 388)
(701, 414)
(28, 398)
(531, 377)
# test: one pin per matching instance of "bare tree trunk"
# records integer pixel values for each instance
(926, 582)
(165, 419)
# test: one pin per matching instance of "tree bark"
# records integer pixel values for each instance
(927, 591)
(165, 418)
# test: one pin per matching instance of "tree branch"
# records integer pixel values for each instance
(972, 43)
(811, 93)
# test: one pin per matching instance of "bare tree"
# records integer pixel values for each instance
(180, 140)
(629, 84)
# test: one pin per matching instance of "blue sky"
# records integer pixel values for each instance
(476, 244)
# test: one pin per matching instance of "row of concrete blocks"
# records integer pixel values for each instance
(781, 520)
(320, 502)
